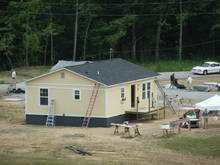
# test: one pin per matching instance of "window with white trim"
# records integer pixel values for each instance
(44, 95)
(148, 90)
(122, 95)
(143, 91)
(76, 94)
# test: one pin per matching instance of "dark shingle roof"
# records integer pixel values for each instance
(111, 72)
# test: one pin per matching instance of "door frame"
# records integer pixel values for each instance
(133, 95)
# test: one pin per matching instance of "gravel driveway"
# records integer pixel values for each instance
(4, 87)
(195, 96)
(182, 75)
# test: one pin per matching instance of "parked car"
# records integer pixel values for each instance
(206, 68)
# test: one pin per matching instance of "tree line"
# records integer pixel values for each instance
(41, 32)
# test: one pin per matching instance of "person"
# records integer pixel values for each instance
(197, 113)
(13, 76)
(205, 116)
(189, 81)
(172, 78)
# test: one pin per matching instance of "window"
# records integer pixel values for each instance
(143, 91)
(148, 90)
(62, 75)
(44, 94)
(76, 94)
(122, 95)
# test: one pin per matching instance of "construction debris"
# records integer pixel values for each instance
(78, 151)
(74, 135)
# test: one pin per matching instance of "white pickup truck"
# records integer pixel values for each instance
(206, 68)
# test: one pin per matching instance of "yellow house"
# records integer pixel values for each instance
(121, 86)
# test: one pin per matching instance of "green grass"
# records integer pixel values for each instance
(171, 66)
(209, 147)
(25, 75)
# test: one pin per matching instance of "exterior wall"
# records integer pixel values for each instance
(108, 107)
(114, 104)
(61, 89)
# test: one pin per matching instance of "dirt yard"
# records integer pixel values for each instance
(29, 144)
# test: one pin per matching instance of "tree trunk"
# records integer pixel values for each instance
(51, 44)
(45, 52)
(75, 33)
(85, 39)
(26, 57)
(157, 47)
(181, 33)
(134, 42)
(213, 48)
(10, 62)
(51, 49)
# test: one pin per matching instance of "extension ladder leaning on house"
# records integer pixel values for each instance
(91, 105)
(51, 114)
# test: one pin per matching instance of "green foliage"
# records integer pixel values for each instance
(209, 147)
(28, 26)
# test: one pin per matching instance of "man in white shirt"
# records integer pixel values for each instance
(189, 82)
(13, 76)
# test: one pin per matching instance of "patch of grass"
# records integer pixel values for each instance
(2, 82)
(171, 66)
(23, 73)
(209, 147)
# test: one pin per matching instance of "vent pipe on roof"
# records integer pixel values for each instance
(97, 72)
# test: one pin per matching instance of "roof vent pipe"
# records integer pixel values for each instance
(97, 72)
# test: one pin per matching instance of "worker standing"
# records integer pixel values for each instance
(172, 79)
(205, 116)
(189, 82)
(13, 76)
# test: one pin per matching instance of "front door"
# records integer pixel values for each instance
(132, 96)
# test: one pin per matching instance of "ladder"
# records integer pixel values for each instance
(50, 117)
(91, 105)
(164, 94)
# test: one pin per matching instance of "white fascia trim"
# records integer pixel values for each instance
(59, 84)
(26, 101)
(144, 79)
(44, 75)
(66, 70)
(74, 115)
(30, 86)
(106, 102)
